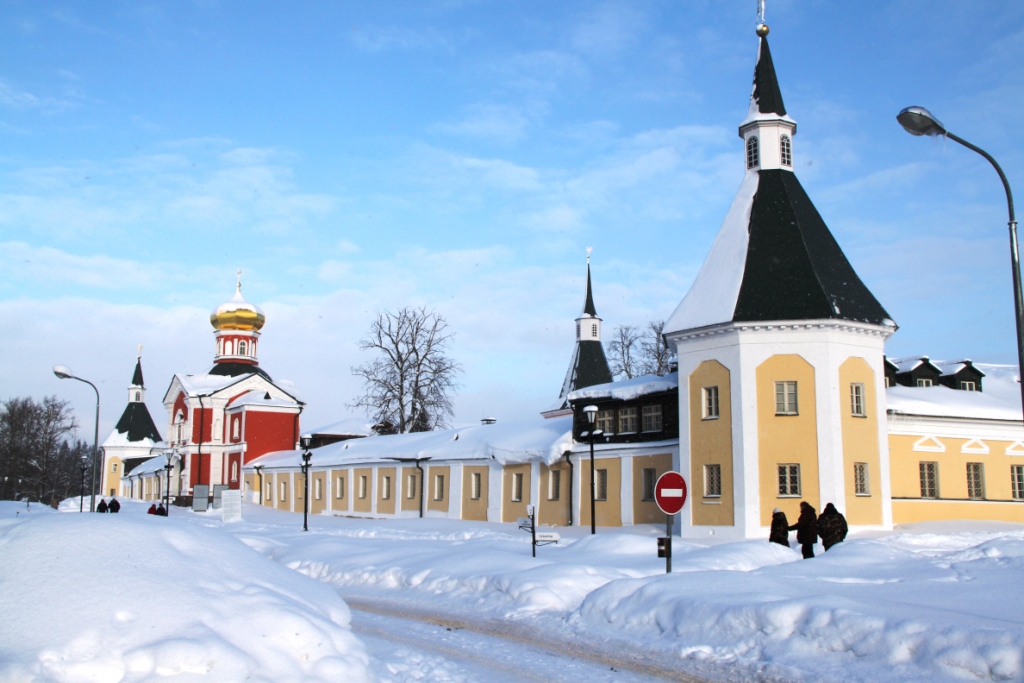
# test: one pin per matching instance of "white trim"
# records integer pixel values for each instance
(929, 444)
(975, 446)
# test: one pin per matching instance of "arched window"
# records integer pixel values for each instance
(234, 471)
(753, 158)
(138, 396)
(241, 348)
(234, 428)
(786, 150)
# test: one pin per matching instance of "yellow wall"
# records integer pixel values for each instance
(414, 502)
(474, 509)
(386, 506)
(711, 444)
(860, 442)
(554, 512)
(512, 510)
(432, 502)
(343, 502)
(112, 477)
(608, 511)
(786, 438)
(362, 504)
(647, 511)
(317, 506)
(298, 482)
(907, 511)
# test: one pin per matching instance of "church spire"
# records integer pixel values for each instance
(588, 306)
(766, 97)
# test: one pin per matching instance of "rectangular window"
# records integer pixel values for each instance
(1017, 481)
(606, 421)
(439, 487)
(929, 479)
(410, 486)
(602, 485)
(652, 418)
(270, 492)
(789, 480)
(785, 398)
(386, 486)
(284, 491)
(710, 403)
(860, 479)
(517, 487)
(362, 486)
(554, 484)
(627, 420)
(650, 477)
(712, 481)
(113, 467)
(477, 487)
(318, 489)
(339, 493)
(968, 386)
(857, 400)
(975, 480)
(924, 383)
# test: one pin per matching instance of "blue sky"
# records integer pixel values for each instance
(352, 157)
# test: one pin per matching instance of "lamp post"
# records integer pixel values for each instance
(591, 413)
(920, 121)
(259, 473)
(169, 466)
(81, 491)
(304, 441)
(64, 372)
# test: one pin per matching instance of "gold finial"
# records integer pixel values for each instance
(239, 288)
(589, 249)
(762, 28)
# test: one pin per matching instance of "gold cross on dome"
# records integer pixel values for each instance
(239, 279)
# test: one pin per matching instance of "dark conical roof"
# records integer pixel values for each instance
(137, 422)
(588, 306)
(766, 85)
(137, 377)
(588, 367)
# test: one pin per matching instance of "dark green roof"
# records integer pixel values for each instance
(136, 421)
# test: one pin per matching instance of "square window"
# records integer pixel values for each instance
(1017, 481)
(652, 418)
(439, 487)
(477, 486)
(929, 479)
(554, 484)
(712, 481)
(975, 480)
(860, 479)
(710, 403)
(857, 400)
(789, 480)
(785, 398)
(627, 420)
(517, 487)
(606, 421)
(339, 493)
(601, 487)
(650, 479)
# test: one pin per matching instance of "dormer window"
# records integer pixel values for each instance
(786, 151)
(753, 158)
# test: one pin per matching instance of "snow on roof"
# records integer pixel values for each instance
(350, 426)
(908, 363)
(1000, 400)
(951, 367)
(712, 296)
(151, 466)
(117, 438)
(628, 389)
(205, 385)
(505, 442)
(258, 397)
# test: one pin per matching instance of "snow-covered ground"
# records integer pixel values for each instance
(933, 602)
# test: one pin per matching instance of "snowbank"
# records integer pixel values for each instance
(122, 598)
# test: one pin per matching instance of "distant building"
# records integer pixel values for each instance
(133, 440)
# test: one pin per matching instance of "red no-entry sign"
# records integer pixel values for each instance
(670, 492)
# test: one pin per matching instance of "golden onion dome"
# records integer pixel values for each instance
(237, 314)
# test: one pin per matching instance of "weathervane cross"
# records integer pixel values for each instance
(239, 279)
(589, 249)
(760, 12)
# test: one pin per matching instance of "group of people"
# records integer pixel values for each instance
(830, 526)
(158, 511)
(112, 506)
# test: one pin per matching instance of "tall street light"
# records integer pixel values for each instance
(591, 413)
(920, 121)
(305, 441)
(81, 491)
(169, 466)
(64, 372)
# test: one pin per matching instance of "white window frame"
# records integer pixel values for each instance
(1017, 481)
(340, 492)
(786, 150)
(976, 480)
(270, 493)
(968, 386)
(861, 479)
(628, 417)
(786, 398)
(605, 421)
(438, 487)
(790, 484)
(753, 152)
(651, 418)
(601, 487)
(318, 488)
(857, 405)
(363, 486)
(284, 491)
(385, 483)
(929, 473)
(410, 486)
(713, 480)
(517, 487)
(476, 486)
(554, 484)
(711, 409)
(924, 382)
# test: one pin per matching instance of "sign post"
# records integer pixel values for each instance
(670, 494)
(536, 539)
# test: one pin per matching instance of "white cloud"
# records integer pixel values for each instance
(375, 39)
(495, 122)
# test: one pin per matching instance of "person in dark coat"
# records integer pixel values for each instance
(102, 507)
(114, 506)
(151, 510)
(161, 511)
(806, 529)
(780, 528)
(831, 526)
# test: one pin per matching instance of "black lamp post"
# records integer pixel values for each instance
(259, 473)
(170, 457)
(304, 441)
(81, 491)
(920, 121)
(64, 372)
(591, 413)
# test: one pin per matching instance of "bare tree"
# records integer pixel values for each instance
(408, 386)
(624, 351)
(654, 352)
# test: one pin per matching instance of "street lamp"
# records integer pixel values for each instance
(591, 413)
(64, 372)
(81, 491)
(920, 121)
(304, 441)
(169, 466)
(259, 473)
